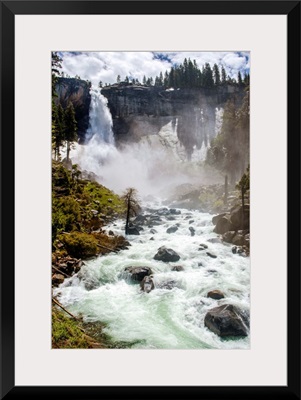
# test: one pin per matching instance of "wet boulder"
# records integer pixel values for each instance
(166, 255)
(223, 225)
(57, 279)
(147, 284)
(211, 254)
(172, 229)
(228, 236)
(192, 231)
(174, 211)
(132, 230)
(215, 294)
(227, 320)
(240, 218)
(138, 273)
(216, 218)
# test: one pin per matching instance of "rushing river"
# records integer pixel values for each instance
(171, 316)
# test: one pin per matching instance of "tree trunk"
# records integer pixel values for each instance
(128, 215)
(68, 151)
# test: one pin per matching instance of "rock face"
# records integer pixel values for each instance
(78, 92)
(166, 255)
(227, 320)
(139, 110)
(138, 273)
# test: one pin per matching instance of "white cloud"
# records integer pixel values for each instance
(105, 66)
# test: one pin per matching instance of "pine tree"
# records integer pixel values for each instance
(224, 77)
(239, 79)
(70, 128)
(132, 204)
(216, 75)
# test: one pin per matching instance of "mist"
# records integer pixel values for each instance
(154, 166)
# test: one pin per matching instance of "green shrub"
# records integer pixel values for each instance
(80, 245)
(65, 215)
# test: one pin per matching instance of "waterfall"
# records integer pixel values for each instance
(148, 165)
(100, 124)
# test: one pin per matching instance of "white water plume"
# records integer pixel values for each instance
(149, 165)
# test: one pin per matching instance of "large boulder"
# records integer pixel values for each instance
(166, 255)
(223, 225)
(228, 236)
(240, 219)
(227, 320)
(138, 273)
(216, 218)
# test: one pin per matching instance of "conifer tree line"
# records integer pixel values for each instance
(189, 75)
(64, 124)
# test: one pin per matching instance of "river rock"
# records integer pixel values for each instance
(216, 218)
(174, 211)
(214, 240)
(240, 219)
(215, 294)
(167, 285)
(147, 284)
(228, 236)
(166, 255)
(226, 320)
(192, 231)
(238, 240)
(223, 225)
(138, 273)
(57, 279)
(133, 230)
(177, 268)
(204, 246)
(153, 231)
(211, 254)
(172, 229)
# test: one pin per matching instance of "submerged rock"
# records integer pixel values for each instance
(227, 320)
(211, 254)
(166, 255)
(167, 285)
(215, 294)
(138, 273)
(177, 268)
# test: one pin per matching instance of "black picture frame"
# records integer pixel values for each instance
(9, 9)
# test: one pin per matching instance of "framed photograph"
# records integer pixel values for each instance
(150, 213)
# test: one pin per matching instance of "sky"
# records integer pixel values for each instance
(106, 66)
